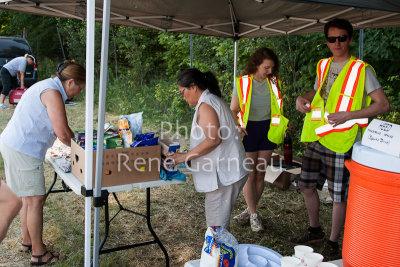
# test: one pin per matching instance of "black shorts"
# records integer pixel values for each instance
(7, 81)
(257, 136)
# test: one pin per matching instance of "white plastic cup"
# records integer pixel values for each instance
(313, 259)
(290, 262)
(300, 250)
(327, 264)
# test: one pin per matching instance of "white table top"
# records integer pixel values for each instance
(196, 263)
(72, 182)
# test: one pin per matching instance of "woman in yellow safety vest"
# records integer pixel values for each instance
(261, 124)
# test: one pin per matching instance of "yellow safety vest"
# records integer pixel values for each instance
(278, 123)
(346, 94)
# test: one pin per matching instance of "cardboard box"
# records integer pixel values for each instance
(280, 177)
(121, 165)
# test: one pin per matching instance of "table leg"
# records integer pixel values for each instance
(65, 187)
(107, 222)
(52, 184)
(151, 228)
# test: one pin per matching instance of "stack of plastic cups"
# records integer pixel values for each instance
(305, 256)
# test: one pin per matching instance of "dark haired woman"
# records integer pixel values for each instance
(10, 71)
(216, 153)
(37, 121)
(261, 125)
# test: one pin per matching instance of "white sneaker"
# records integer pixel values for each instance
(256, 223)
(3, 106)
(243, 218)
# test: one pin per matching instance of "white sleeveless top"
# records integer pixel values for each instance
(30, 131)
(226, 161)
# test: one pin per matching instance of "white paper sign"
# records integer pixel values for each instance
(383, 136)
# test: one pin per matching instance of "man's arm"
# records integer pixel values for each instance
(380, 104)
(303, 102)
(22, 79)
(52, 100)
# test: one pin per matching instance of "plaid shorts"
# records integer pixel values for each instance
(320, 164)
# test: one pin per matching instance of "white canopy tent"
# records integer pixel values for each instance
(224, 18)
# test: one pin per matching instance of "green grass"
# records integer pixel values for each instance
(177, 217)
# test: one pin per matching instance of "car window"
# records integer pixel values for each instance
(13, 48)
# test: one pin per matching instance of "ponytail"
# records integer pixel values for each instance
(212, 83)
(204, 81)
(69, 69)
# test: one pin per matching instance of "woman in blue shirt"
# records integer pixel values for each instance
(37, 121)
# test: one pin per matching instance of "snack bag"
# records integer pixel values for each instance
(220, 248)
(135, 122)
(125, 132)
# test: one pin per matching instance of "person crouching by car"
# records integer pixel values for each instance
(10, 71)
(37, 121)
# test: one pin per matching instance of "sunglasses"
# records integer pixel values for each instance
(332, 39)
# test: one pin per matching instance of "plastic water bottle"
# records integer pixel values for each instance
(287, 150)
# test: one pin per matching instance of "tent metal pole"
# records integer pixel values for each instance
(61, 45)
(235, 64)
(100, 129)
(361, 45)
(89, 125)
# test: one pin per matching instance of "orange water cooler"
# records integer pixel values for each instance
(372, 228)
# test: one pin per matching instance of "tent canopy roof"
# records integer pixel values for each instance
(225, 18)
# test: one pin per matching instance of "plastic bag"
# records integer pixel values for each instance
(136, 122)
(220, 248)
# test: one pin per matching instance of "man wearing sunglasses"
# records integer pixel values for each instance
(336, 112)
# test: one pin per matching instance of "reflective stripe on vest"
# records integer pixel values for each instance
(245, 84)
(240, 117)
(328, 128)
(322, 69)
(345, 100)
(349, 87)
(276, 91)
(276, 118)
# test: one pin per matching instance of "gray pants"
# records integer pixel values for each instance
(219, 203)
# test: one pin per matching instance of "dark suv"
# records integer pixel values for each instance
(12, 47)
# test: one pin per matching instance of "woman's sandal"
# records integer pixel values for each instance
(28, 248)
(25, 248)
(54, 258)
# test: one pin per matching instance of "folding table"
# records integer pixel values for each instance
(71, 183)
